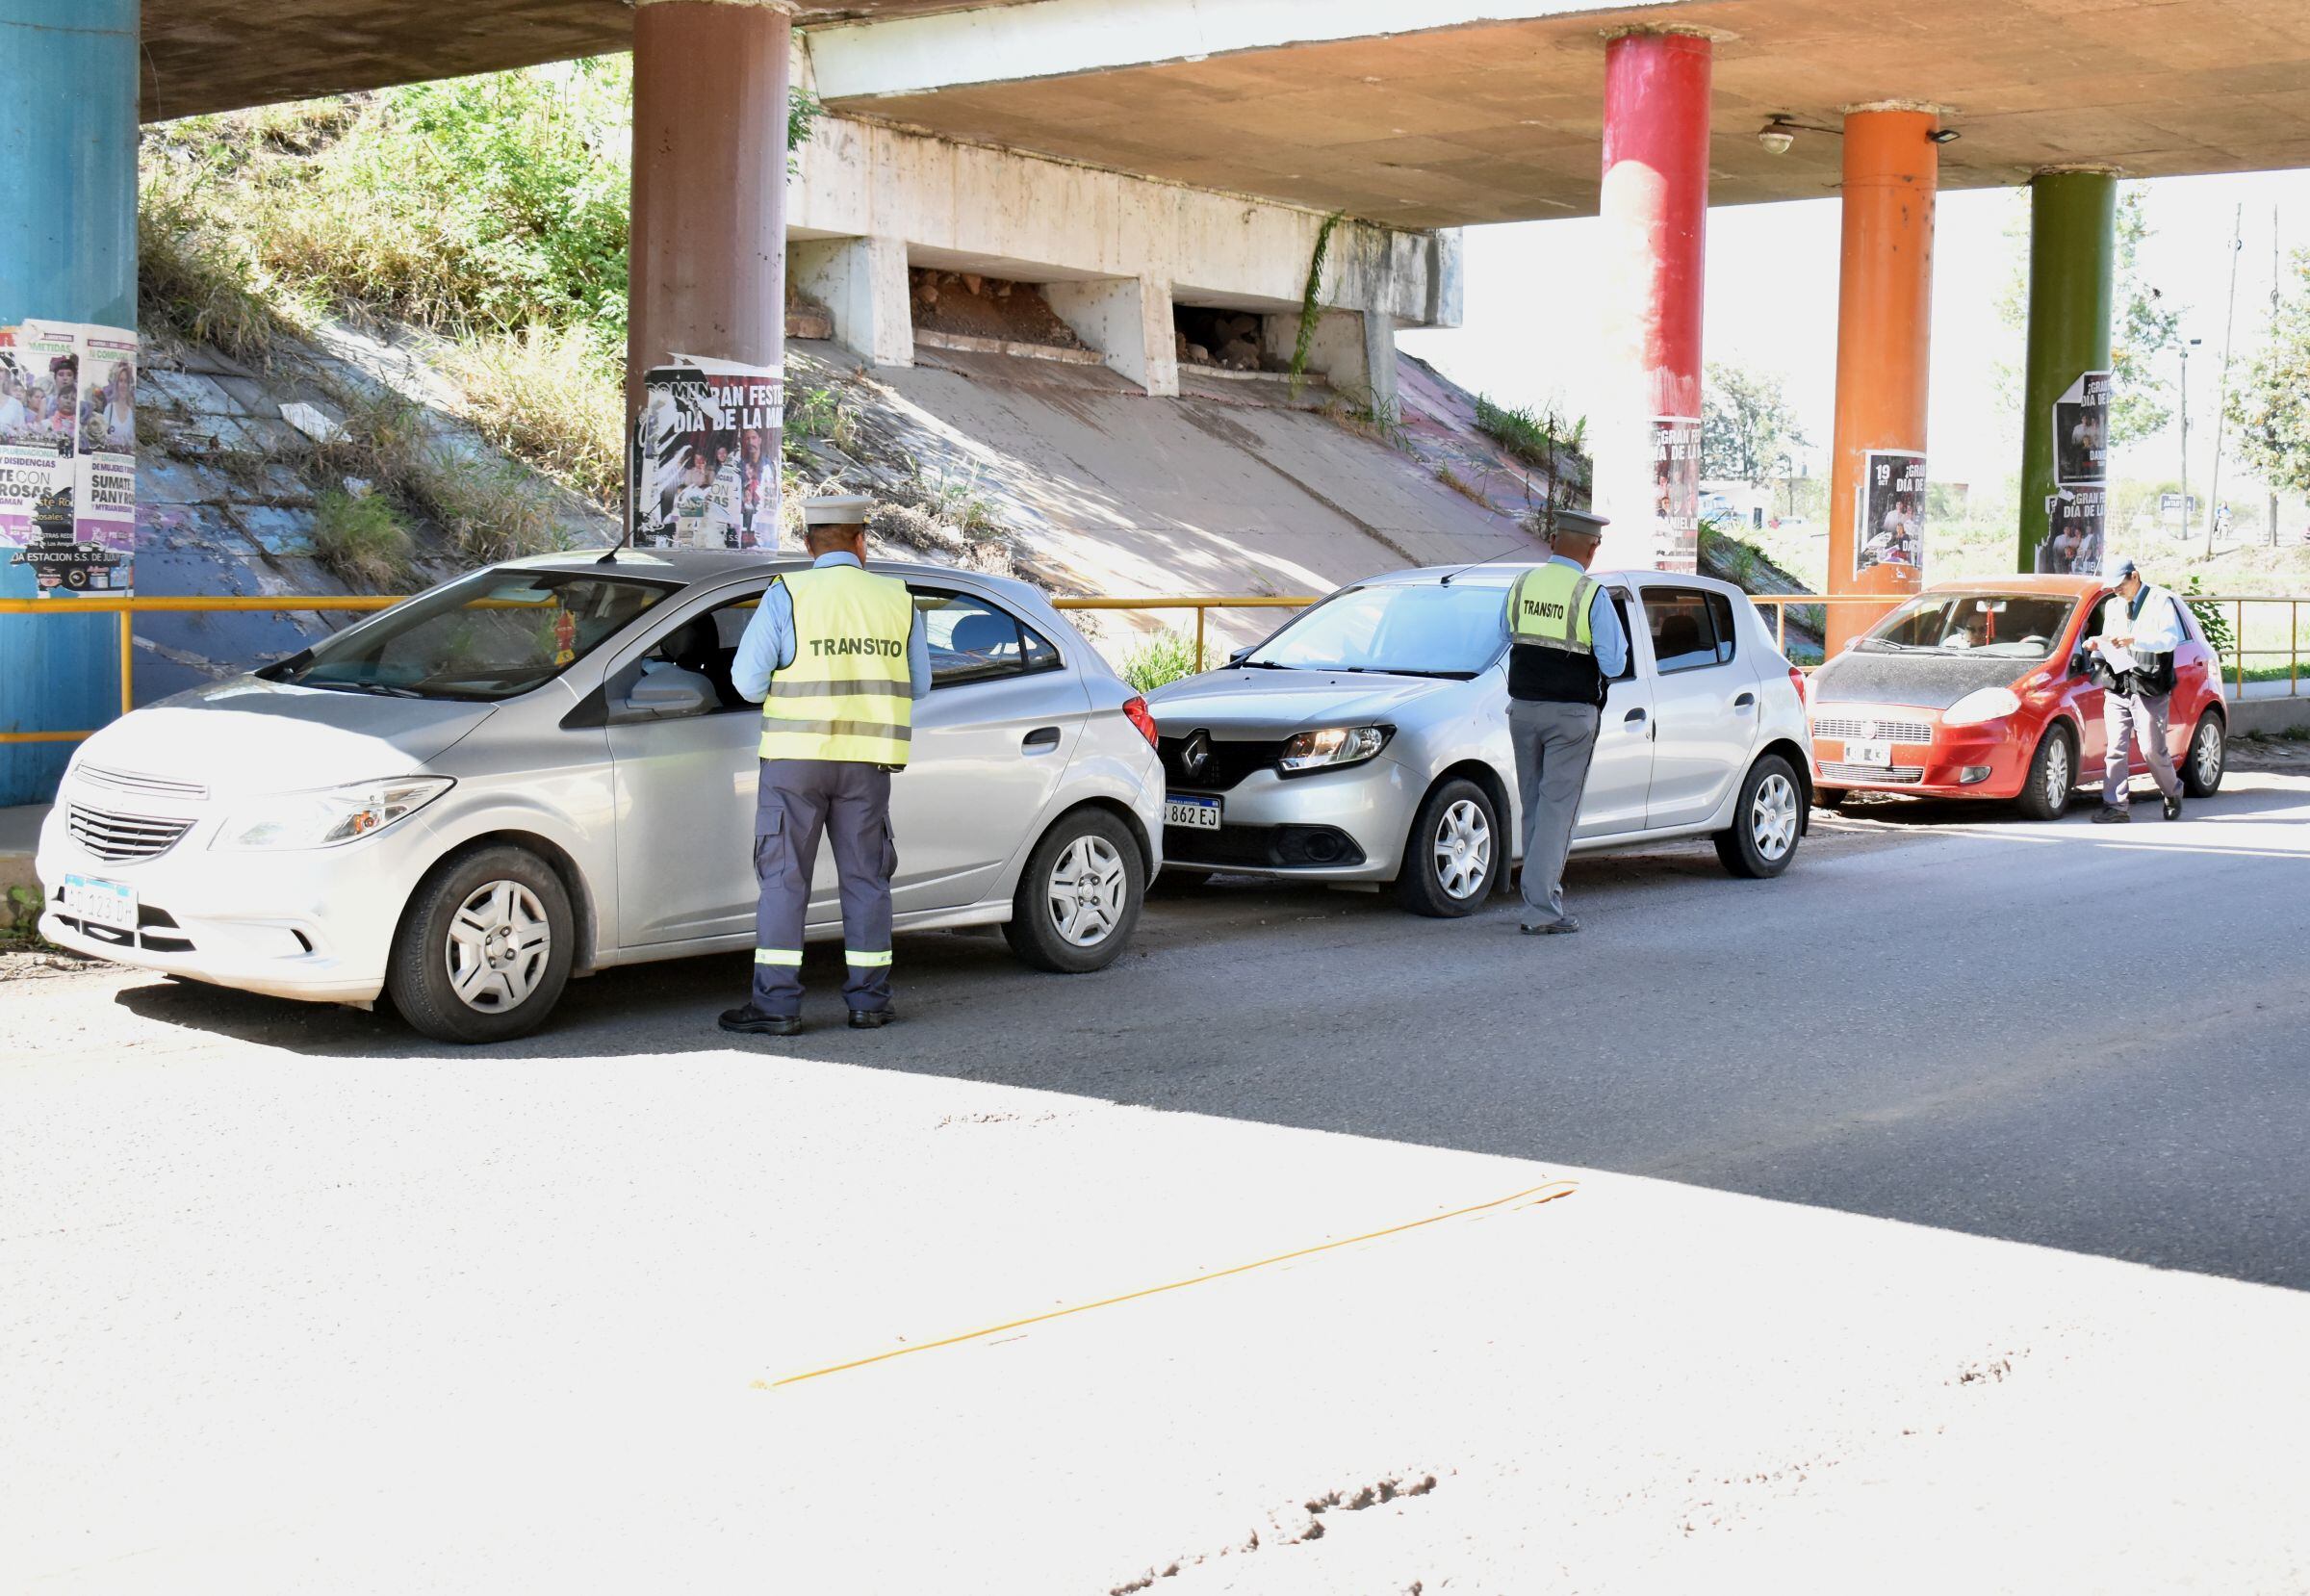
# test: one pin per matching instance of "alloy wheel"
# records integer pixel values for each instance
(1773, 817)
(2058, 780)
(1087, 891)
(1463, 858)
(2210, 752)
(499, 945)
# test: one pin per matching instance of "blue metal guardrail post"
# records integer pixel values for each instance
(68, 254)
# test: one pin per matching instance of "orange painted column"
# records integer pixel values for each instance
(1884, 343)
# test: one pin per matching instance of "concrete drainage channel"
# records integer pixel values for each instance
(1289, 1525)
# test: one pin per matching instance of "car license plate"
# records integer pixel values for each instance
(1877, 753)
(1200, 814)
(101, 902)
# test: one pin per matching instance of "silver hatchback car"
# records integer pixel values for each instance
(1366, 741)
(542, 769)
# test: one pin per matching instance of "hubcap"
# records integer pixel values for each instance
(1463, 849)
(2057, 774)
(1089, 886)
(1773, 817)
(499, 941)
(2209, 755)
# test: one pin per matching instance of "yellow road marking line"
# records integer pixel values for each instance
(1554, 1189)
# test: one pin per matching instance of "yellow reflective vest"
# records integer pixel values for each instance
(1548, 609)
(848, 695)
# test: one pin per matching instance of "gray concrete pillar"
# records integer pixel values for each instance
(862, 283)
(1128, 321)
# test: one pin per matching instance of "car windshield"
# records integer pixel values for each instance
(489, 635)
(1416, 629)
(2005, 625)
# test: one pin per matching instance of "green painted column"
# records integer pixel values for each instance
(2072, 224)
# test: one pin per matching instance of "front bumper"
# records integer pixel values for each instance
(1937, 768)
(315, 924)
(1275, 826)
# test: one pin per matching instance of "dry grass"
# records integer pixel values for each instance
(361, 540)
(1460, 486)
(547, 395)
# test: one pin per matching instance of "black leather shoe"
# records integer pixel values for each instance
(2110, 814)
(2174, 809)
(752, 1022)
(1564, 927)
(870, 1020)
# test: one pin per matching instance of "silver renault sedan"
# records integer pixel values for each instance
(542, 769)
(1366, 741)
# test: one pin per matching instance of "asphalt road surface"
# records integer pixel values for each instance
(290, 1299)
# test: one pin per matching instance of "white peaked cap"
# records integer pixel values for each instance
(836, 509)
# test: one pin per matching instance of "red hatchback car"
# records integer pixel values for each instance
(1977, 688)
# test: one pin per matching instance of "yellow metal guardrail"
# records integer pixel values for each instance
(1202, 604)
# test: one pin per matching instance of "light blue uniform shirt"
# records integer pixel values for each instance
(768, 644)
(1604, 635)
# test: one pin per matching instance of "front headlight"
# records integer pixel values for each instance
(1332, 747)
(1985, 704)
(330, 816)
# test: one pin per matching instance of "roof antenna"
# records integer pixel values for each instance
(633, 470)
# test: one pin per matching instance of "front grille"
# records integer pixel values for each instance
(1226, 764)
(1846, 729)
(125, 781)
(1874, 773)
(1273, 847)
(116, 838)
(157, 932)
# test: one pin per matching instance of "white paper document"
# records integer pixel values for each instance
(2117, 656)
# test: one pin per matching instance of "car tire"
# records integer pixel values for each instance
(2052, 777)
(2208, 759)
(1079, 897)
(1461, 812)
(1768, 821)
(484, 947)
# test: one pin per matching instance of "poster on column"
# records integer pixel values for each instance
(704, 473)
(2081, 431)
(1677, 492)
(2076, 524)
(67, 455)
(1889, 511)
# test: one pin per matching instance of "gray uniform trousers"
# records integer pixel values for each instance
(2125, 717)
(1553, 743)
(849, 803)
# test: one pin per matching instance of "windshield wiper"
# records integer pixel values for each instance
(1266, 665)
(378, 689)
(1406, 670)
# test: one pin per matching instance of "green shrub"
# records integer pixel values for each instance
(362, 539)
(1162, 658)
(2214, 620)
(546, 395)
(1532, 437)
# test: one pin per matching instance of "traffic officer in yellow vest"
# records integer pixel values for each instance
(836, 656)
(1566, 644)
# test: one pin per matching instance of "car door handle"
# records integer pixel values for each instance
(1041, 741)
(1746, 701)
(1634, 717)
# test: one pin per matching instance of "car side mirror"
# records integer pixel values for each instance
(2080, 664)
(663, 700)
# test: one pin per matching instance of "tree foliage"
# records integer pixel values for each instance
(1747, 426)
(2270, 401)
(2147, 328)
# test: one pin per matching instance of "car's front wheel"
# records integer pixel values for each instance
(2209, 755)
(1079, 897)
(1456, 854)
(484, 947)
(1767, 821)
(2052, 777)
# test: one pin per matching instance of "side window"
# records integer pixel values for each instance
(696, 654)
(1692, 629)
(1620, 607)
(972, 640)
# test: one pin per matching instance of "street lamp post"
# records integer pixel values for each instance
(2187, 346)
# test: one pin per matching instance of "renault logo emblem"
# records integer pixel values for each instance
(1194, 756)
(1868, 731)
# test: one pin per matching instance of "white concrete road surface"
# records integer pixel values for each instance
(1931, 1219)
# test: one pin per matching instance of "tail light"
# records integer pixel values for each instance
(1797, 679)
(1136, 710)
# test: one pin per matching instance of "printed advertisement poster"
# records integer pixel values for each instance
(67, 455)
(1677, 492)
(2075, 544)
(1888, 512)
(705, 451)
(2081, 431)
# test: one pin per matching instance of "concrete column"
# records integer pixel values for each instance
(1379, 361)
(2072, 232)
(1653, 214)
(1128, 321)
(1884, 344)
(708, 247)
(862, 283)
(68, 254)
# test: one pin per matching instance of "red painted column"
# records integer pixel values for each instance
(1653, 214)
(708, 248)
(1884, 344)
